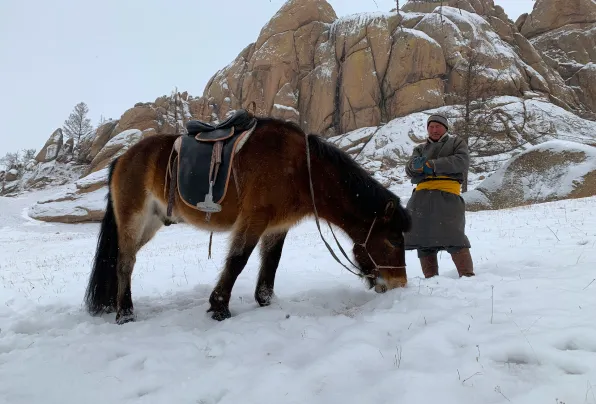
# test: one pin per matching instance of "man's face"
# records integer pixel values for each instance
(436, 130)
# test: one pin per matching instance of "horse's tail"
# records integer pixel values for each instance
(102, 289)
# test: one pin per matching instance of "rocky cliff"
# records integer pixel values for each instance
(333, 75)
(564, 31)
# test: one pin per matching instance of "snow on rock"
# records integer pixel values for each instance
(93, 180)
(82, 201)
(517, 124)
(42, 175)
(115, 147)
(71, 207)
(354, 141)
(550, 171)
(387, 150)
(458, 32)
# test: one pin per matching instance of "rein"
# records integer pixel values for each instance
(312, 194)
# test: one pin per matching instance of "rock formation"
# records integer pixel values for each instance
(50, 150)
(564, 31)
(333, 75)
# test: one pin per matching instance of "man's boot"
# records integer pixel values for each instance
(463, 262)
(430, 266)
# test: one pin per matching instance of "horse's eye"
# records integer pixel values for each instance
(395, 243)
(392, 243)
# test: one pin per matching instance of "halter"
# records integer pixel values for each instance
(376, 268)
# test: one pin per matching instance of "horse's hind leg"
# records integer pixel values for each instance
(244, 241)
(140, 229)
(271, 247)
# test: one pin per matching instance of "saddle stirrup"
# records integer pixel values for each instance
(208, 205)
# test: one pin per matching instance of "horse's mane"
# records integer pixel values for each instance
(368, 192)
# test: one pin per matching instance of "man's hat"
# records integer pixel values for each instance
(439, 118)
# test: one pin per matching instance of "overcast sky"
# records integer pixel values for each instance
(112, 54)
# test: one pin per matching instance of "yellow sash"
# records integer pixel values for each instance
(450, 186)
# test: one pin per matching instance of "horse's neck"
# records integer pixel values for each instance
(337, 204)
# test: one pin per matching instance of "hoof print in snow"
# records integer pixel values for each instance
(573, 344)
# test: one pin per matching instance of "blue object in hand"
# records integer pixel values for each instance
(418, 163)
(428, 170)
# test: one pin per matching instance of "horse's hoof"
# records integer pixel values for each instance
(264, 297)
(125, 318)
(264, 303)
(220, 314)
(109, 309)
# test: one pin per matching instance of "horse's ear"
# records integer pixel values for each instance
(389, 210)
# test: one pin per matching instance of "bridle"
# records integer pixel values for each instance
(376, 268)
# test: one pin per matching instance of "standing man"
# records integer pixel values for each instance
(438, 167)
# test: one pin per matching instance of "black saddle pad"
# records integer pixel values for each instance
(194, 162)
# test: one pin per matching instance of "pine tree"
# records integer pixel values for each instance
(77, 125)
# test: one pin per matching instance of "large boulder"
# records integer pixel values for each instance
(141, 118)
(103, 134)
(550, 171)
(549, 15)
(330, 75)
(114, 148)
(52, 147)
(11, 175)
(83, 201)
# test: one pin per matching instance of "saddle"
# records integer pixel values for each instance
(205, 157)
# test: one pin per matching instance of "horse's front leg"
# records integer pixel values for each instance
(244, 242)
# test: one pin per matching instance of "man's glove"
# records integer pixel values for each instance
(418, 164)
(428, 168)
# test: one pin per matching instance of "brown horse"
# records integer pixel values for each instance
(281, 176)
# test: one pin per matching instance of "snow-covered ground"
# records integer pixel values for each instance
(522, 331)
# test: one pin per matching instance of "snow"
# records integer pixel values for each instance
(355, 23)
(124, 139)
(45, 174)
(422, 35)
(386, 152)
(286, 108)
(521, 331)
(100, 176)
(457, 30)
(350, 138)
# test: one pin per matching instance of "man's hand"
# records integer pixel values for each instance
(428, 168)
(418, 164)
(421, 165)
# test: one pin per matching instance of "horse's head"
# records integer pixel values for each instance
(381, 256)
